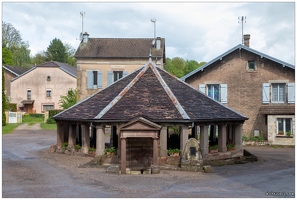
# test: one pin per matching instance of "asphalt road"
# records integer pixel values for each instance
(30, 171)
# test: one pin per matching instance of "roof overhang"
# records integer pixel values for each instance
(27, 102)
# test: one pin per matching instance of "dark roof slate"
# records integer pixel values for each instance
(63, 66)
(17, 71)
(119, 48)
(152, 93)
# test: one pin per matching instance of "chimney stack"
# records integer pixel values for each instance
(246, 39)
(85, 37)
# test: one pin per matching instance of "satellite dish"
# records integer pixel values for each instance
(153, 42)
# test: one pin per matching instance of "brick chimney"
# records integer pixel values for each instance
(246, 40)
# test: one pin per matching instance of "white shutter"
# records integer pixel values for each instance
(224, 93)
(99, 79)
(202, 88)
(291, 92)
(265, 93)
(109, 77)
(90, 79)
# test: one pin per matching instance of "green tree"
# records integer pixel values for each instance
(21, 55)
(56, 51)
(191, 65)
(39, 58)
(68, 100)
(6, 56)
(71, 60)
(3, 99)
(175, 66)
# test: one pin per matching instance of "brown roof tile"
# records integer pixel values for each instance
(277, 109)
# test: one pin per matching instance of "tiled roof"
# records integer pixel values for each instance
(152, 93)
(63, 66)
(17, 71)
(119, 48)
(240, 46)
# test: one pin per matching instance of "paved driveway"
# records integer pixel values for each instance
(29, 170)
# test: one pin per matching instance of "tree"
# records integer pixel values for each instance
(3, 99)
(6, 56)
(39, 58)
(68, 100)
(70, 53)
(21, 55)
(56, 51)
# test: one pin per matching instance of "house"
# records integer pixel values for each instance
(259, 86)
(140, 108)
(11, 72)
(102, 61)
(39, 89)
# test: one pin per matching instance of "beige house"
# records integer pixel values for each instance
(39, 89)
(259, 86)
(103, 61)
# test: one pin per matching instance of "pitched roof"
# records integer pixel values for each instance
(152, 93)
(17, 71)
(240, 46)
(64, 67)
(119, 48)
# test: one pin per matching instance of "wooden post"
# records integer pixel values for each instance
(123, 155)
(100, 141)
(238, 137)
(163, 142)
(204, 139)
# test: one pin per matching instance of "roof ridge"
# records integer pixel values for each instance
(123, 92)
(170, 93)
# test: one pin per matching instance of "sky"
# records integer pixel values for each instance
(193, 30)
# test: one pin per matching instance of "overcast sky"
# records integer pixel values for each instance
(195, 30)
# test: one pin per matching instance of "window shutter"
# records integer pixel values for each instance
(224, 93)
(99, 79)
(291, 92)
(125, 73)
(90, 79)
(265, 93)
(109, 77)
(202, 88)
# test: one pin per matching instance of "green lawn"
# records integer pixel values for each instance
(45, 126)
(8, 128)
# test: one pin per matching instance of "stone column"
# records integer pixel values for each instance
(184, 137)
(163, 142)
(100, 141)
(60, 135)
(119, 142)
(72, 136)
(204, 139)
(222, 138)
(155, 151)
(85, 138)
(238, 136)
(123, 155)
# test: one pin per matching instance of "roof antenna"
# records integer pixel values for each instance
(243, 19)
(82, 15)
(154, 21)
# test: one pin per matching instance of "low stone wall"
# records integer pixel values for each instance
(256, 143)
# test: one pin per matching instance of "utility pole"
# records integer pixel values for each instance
(154, 21)
(242, 19)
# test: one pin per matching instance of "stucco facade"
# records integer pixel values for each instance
(40, 88)
(244, 91)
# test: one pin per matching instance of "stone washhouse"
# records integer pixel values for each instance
(140, 108)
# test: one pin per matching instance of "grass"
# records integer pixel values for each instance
(45, 126)
(8, 128)
(31, 120)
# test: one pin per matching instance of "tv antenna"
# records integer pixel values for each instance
(154, 21)
(242, 19)
(82, 15)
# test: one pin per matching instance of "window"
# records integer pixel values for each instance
(94, 79)
(284, 126)
(278, 93)
(217, 92)
(29, 94)
(251, 65)
(48, 93)
(47, 107)
(115, 76)
(213, 91)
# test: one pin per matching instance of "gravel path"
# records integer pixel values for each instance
(30, 171)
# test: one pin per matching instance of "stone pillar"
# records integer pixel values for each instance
(100, 141)
(238, 136)
(155, 151)
(163, 142)
(60, 135)
(204, 139)
(222, 138)
(123, 155)
(85, 138)
(184, 137)
(72, 136)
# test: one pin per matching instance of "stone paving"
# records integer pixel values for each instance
(30, 171)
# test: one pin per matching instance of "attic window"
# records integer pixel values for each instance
(252, 66)
(48, 78)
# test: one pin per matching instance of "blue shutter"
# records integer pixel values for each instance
(291, 92)
(125, 73)
(109, 77)
(99, 79)
(90, 79)
(265, 93)
(224, 93)
(202, 88)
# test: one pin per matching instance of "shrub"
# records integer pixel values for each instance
(36, 115)
(77, 146)
(214, 147)
(172, 151)
(92, 149)
(50, 121)
(244, 138)
(111, 150)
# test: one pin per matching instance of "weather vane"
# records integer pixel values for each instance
(242, 19)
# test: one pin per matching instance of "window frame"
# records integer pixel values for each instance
(29, 94)
(278, 93)
(249, 64)
(48, 93)
(117, 75)
(213, 92)
(48, 105)
(284, 129)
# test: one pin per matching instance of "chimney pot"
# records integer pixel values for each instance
(246, 39)
(85, 37)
